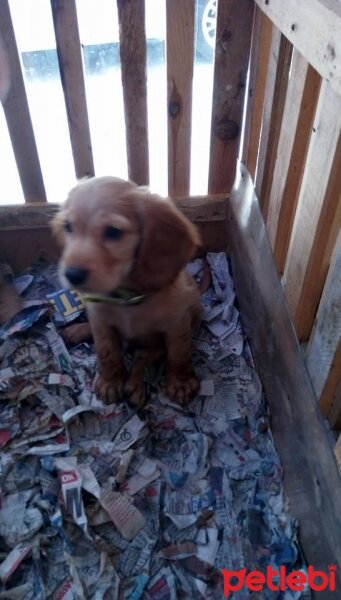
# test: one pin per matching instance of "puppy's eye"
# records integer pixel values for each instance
(68, 227)
(112, 233)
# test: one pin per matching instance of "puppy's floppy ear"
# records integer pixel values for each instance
(168, 242)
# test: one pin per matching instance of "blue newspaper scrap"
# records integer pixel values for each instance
(68, 304)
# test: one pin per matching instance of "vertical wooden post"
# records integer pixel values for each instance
(233, 42)
(180, 56)
(18, 117)
(71, 72)
(133, 52)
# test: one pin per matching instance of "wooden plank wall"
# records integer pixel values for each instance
(292, 149)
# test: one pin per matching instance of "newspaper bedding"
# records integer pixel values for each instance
(99, 502)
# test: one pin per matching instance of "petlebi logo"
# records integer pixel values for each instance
(278, 580)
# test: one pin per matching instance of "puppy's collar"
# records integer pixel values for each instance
(121, 297)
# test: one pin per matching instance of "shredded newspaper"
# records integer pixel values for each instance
(99, 502)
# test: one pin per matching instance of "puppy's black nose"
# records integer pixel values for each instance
(76, 275)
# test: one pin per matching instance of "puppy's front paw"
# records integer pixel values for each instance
(182, 387)
(110, 391)
(135, 389)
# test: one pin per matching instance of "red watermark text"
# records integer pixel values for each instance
(278, 580)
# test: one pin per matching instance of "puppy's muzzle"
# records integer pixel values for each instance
(76, 275)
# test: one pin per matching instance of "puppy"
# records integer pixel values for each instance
(125, 249)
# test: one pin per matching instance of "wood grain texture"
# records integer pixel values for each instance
(30, 223)
(331, 393)
(233, 42)
(180, 55)
(20, 248)
(318, 216)
(286, 141)
(293, 146)
(259, 59)
(72, 77)
(324, 348)
(311, 476)
(337, 451)
(133, 53)
(18, 117)
(314, 29)
(275, 94)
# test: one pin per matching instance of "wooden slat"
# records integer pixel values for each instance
(72, 77)
(314, 29)
(311, 476)
(291, 113)
(331, 393)
(21, 248)
(304, 86)
(337, 451)
(259, 58)
(233, 42)
(275, 94)
(180, 54)
(318, 217)
(324, 348)
(18, 117)
(133, 52)
(207, 212)
(196, 208)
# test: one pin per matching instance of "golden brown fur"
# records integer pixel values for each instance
(148, 257)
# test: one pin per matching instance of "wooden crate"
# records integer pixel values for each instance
(273, 201)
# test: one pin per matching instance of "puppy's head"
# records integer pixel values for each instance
(117, 234)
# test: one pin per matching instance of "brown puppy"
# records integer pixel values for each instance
(121, 240)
